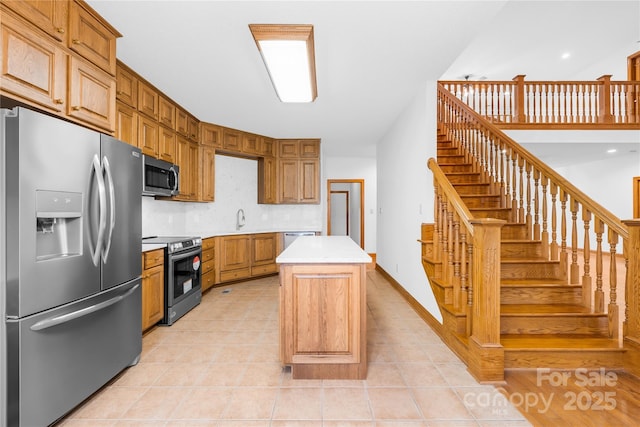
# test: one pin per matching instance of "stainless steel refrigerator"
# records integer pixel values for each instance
(70, 264)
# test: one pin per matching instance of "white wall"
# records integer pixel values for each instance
(405, 195)
(236, 187)
(354, 168)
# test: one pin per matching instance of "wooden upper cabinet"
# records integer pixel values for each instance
(147, 100)
(166, 112)
(207, 173)
(126, 124)
(33, 68)
(310, 148)
(49, 16)
(148, 136)
(289, 148)
(232, 139)
(251, 144)
(92, 95)
(126, 86)
(193, 128)
(267, 180)
(187, 125)
(309, 189)
(92, 37)
(210, 135)
(268, 146)
(167, 144)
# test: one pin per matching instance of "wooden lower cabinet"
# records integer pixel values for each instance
(245, 256)
(323, 320)
(152, 287)
(208, 263)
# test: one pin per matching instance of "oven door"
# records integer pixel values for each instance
(184, 274)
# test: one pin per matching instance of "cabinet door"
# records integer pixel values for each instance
(268, 147)
(33, 68)
(152, 296)
(166, 112)
(147, 100)
(210, 135)
(92, 95)
(182, 122)
(231, 140)
(126, 87)
(288, 148)
(251, 144)
(234, 252)
(263, 249)
(310, 148)
(193, 171)
(207, 173)
(92, 38)
(267, 180)
(167, 144)
(126, 124)
(309, 181)
(193, 128)
(182, 159)
(288, 181)
(148, 136)
(49, 16)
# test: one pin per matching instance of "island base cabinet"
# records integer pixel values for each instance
(323, 320)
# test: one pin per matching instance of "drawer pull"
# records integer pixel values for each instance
(60, 30)
(75, 108)
(58, 101)
(76, 41)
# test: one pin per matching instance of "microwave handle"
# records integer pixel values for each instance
(175, 180)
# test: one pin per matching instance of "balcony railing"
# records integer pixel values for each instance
(602, 104)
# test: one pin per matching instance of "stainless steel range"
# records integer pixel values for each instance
(182, 274)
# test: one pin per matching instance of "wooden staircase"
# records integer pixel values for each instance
(544, 320)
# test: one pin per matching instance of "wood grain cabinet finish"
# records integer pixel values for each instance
(267, 180)
(298, 172)
(92, 37)
(208, 263)
(210, 135)
(187, 159)
(49, 16)
(264, 249)
(148, 135)
(166, 112)
(323, 320)
(152, 287)
(251, 143)
(167, 144)
(147, 100)
(126, 124)
(126, 86)
(34, 68)
(234, 257)
(207, 173)
(232, 140)
(92, 95)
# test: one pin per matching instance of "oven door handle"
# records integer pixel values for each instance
(185, 254)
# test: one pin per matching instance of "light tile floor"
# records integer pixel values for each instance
(219, 366)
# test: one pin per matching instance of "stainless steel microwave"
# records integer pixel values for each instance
(159, 178)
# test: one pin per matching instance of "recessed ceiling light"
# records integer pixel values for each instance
(288, 54)
(611, 150)
(566, 55)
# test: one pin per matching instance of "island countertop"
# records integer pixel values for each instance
(323, 250)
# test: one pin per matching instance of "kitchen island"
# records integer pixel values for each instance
(323, 332)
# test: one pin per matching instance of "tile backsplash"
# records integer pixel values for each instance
(236, 187)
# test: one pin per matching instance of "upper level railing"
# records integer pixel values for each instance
(553, 104)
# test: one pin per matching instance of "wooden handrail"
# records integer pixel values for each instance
(609, 218)
(601, 103)
(452, 195)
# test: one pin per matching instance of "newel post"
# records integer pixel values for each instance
(604, 100)
(632, 298)
(486, 355)
(518, 99)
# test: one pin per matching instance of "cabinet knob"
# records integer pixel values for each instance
(76, 41)
(58, 101)
(75, 108)
(60, 30)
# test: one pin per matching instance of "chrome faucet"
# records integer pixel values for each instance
(240, 219)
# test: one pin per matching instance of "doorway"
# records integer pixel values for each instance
(345, 209)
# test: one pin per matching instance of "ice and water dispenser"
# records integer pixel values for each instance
(58, 224)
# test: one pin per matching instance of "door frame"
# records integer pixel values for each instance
(636, 197)
(346, 181)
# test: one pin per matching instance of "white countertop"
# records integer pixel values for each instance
(146, 247)
(323, 250)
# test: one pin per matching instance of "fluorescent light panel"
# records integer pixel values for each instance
(288, 54)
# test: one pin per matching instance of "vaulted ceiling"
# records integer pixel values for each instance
(372, 57)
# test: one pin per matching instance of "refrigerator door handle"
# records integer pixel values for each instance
(57, 320)
(112, 208)
(102, 195)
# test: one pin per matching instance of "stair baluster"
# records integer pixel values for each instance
(598, 295)
(586, 254)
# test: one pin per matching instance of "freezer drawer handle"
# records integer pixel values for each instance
(57, 320)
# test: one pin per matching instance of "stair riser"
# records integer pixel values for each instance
(472, 189)
(465, 178)
(521, 250)
(513, 232)
(537, 295)
(542, 271)
(464, 167)
(542, 325)
(562, 359)
(482, 201)
(504, 214)
(451, 158)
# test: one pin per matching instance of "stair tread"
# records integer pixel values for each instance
(537, 283)
(547, 309)
(573, 342)
(504, 260)
(462, 196)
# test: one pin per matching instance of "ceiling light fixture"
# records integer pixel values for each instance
(288, 54)
(612, 150)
